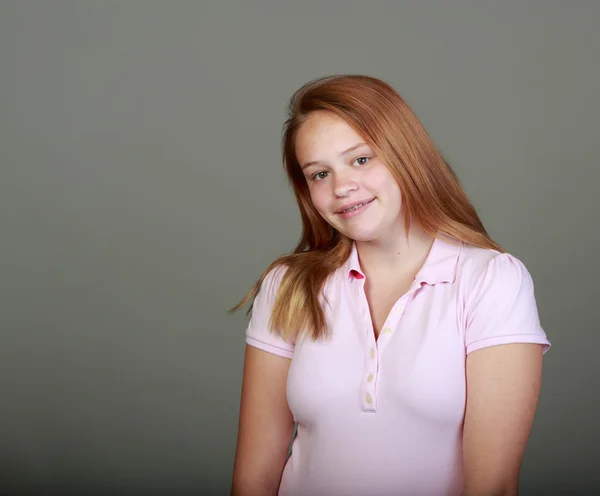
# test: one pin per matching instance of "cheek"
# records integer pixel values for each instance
(380, 180)
(383, 183)
(319, 197)
(384, 179)
(392, 188)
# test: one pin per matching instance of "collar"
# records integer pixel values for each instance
(440, 265)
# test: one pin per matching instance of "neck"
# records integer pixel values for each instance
(395, 254)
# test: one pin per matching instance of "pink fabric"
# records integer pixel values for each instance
(385, 417)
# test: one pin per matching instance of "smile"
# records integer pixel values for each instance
(355, 209)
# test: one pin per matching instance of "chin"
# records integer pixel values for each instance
(362, 235)
(364, 238)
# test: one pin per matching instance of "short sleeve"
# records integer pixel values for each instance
(257, 332)
(502, 308)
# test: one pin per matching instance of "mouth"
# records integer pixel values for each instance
(354, 206)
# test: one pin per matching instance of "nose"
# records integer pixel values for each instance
(343, 184)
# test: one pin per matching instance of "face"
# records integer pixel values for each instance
(349, 185)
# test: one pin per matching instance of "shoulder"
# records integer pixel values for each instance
(478, 267)
(497, 300)
(270, 284)
(258, 332)
(266, 294)
(272, 281)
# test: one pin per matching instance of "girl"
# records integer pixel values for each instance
(399, 337)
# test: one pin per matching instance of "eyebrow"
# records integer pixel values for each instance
(351, 149)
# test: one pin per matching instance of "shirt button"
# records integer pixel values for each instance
(370, 377)
(372, 352)
(368, 398)
(387, 330)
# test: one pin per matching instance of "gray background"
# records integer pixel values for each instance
(142, 193)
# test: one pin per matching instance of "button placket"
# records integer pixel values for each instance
(375, 346)
(368, 396)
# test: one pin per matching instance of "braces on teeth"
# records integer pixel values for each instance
(354, 207)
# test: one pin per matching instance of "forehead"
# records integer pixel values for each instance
(324, 133)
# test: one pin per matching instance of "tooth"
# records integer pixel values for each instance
(354, 207)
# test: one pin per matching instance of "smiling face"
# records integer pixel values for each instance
(349, 185)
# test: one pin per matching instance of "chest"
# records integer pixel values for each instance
(415, 365)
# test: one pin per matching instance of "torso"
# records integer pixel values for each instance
(385, 416)
(366, 390)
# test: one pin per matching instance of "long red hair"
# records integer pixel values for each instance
(431, 193)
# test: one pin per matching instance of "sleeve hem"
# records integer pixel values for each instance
(509, 339)
(269, 348)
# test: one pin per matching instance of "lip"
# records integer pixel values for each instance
(350, 205)
(358, 211)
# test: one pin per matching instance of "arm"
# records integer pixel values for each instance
(265, 425)
(503, 384)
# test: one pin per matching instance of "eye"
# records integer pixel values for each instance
(361, 160)
(319, 175)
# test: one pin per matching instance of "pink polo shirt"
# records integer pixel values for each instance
(384, 417)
